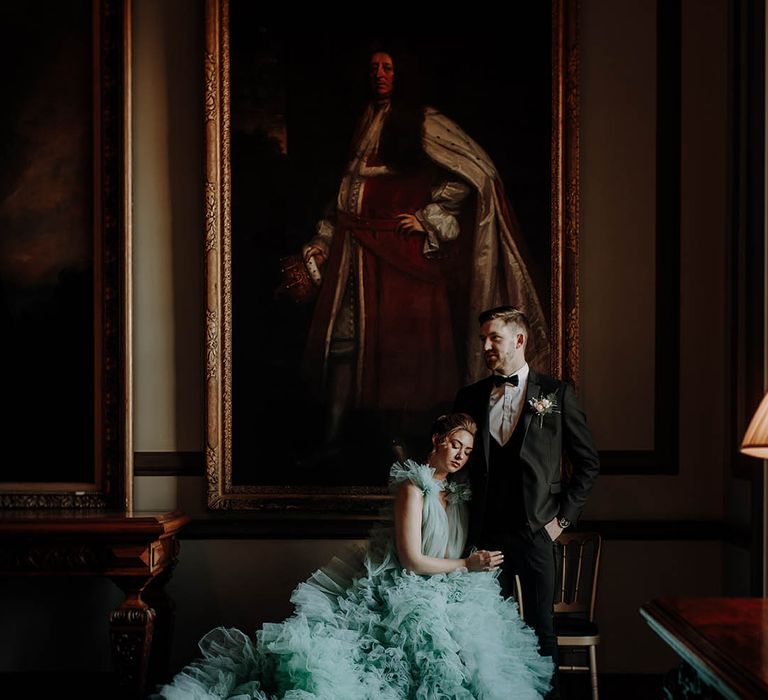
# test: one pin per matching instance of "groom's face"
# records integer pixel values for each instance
(503, 346)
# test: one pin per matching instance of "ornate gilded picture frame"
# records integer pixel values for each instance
(65, 256)
(286, 120)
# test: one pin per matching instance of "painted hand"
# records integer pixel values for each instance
(313, 251)
(408, 225)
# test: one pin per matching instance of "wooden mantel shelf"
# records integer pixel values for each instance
(94, 522)
(137, 550)
(725, 640)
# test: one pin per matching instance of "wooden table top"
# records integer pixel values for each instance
(724, 639)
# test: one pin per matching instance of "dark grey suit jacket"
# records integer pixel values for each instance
(545, 494)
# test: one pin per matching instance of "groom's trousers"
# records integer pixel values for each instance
(530, 555)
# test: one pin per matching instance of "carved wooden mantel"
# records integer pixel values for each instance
(137, 550)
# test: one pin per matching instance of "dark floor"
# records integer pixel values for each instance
(49, 684)
(575, 686)
(101, 686)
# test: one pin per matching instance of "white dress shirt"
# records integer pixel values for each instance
(506, 406)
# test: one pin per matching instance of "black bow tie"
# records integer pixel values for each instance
(499, 379)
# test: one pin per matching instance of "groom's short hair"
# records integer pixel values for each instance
(509, 315)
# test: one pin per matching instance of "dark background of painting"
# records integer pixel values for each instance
(46, 243)
(306, 91)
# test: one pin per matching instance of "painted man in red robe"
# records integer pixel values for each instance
(420, 239)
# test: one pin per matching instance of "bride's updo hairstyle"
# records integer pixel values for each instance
(448, 424)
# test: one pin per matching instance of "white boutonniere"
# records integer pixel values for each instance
(543, 406)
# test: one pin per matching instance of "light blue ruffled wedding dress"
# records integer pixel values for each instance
(370, 630)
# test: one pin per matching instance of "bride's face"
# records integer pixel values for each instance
(452, 453)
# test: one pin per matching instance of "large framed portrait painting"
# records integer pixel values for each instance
(367, 195)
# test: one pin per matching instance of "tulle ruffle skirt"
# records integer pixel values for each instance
(376, 632)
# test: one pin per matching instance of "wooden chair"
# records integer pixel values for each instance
(578, 563)
(577, 569)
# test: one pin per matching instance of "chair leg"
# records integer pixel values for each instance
(593, 671)
(519, 595)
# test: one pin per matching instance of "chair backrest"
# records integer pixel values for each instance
(578, 563)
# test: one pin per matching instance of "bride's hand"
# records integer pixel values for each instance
(483, 560)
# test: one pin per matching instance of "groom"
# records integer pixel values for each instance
(520, 503)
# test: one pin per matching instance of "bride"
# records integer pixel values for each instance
(410, 618)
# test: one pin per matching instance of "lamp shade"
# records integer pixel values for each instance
(755, 442)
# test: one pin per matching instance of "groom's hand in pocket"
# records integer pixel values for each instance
(553, 529)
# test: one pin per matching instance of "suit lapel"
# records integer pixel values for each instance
(532, 391)
(483, 411)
